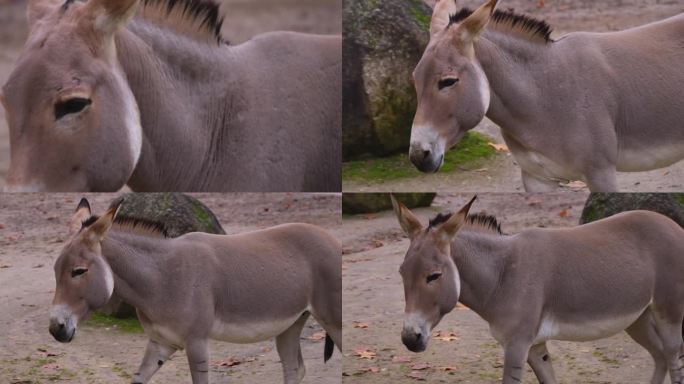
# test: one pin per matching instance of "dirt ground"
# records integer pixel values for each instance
(243, 19)
(374, 247)
(33, 228)
(502, 174)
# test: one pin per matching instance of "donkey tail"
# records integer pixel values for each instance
(329, 348)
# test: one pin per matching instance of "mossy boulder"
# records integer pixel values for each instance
(383, 42)
(354, 203)
(600, 205)
(177, 212)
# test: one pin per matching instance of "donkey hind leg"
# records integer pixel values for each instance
(644, 332)
(197, 351)
(670, 333)
(540, 361)
(515, 355)
(155, 356)
(533, 183)
(290, 352)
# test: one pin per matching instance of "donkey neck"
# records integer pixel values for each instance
(188, 95)
(480, 259)
(515, 69)
(134, 260)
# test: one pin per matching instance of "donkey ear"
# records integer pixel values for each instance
(456, 221)
(110, 15)
(101, 226)
(82, 213)
(474, 24)
(441, 15)
(408, 221)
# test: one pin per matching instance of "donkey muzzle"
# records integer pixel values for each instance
(426, 159)
(62, 331)
(414, 340)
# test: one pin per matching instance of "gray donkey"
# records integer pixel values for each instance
(147, 93)
(581, 107)
(583, 283)
(242, 288)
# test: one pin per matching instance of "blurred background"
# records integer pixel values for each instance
(243, 19)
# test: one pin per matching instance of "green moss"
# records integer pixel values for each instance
(466, 154)
(124, 325)
(201, 215)
(679, 197)
(422, 18)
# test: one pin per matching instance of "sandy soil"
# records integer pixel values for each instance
(33, 228)
(502, 174)
(243, 19)
(374, 247)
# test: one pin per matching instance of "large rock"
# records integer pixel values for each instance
(600, 205)
(178, 213)
(383, 42)
(353, 203)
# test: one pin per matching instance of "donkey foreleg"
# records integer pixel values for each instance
(602, 180)
(155, 356)
(540, 361)
(515, 355)
(533, 183)
(290, 352)
(197, 351)
(644, 332)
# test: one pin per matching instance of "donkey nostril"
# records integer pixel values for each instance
(418, 335)
(426, 154)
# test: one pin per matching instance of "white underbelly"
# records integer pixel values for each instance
(646, 159)
(543, 167)
(591, 329)
(251, 331)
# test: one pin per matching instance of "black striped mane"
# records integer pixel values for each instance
(511, 21)
(133, 224)
(474, 221)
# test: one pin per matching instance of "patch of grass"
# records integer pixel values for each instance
(422, 18)
(124, 325)
(473, 147)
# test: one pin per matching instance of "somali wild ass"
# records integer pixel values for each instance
(241, 288)
(583, 283)
(147, 93)
(583, 106)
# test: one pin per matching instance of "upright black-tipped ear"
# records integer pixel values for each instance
(84, 204)
(99, 228)
(456, 221)
(81, 214)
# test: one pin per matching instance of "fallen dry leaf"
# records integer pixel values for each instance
(229, 362)
(461, 306)
(401, 359)
(363, 353)
(371, 369)
(316, 336)
(417, 375)
(577, 184)
(420, 366)
(359, 324)
(445, 336)
(448, 368)
(563, 213)
(51, 366)
(499, 147)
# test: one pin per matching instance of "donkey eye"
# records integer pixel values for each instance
(448, 82)
(75, 105)
(434, 276)
(78, 271)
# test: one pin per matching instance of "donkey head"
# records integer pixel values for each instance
(453, 91)
(84, 279)
(431, 281)
(74, 122)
